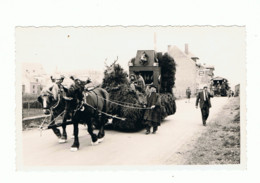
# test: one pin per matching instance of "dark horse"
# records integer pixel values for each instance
(53, 103)
(88, 105)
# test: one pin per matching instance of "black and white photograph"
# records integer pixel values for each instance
(129, 91)
(130, 96)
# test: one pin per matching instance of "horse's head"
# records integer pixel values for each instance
(80, 84)
(74, 93)
(46, 98)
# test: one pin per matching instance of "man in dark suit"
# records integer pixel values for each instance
(152, 116)
(204, 98)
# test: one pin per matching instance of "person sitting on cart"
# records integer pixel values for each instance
(152, 116)
(140, 84)
(57, 87)
(132, 81)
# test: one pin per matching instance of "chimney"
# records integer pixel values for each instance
(186, 49)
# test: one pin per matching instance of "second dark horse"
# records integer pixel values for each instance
(87, 105)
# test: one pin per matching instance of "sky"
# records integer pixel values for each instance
(78, 48)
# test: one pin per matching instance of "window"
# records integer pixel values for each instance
(33, 86)
(201, 73)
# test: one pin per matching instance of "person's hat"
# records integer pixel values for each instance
(205, 86)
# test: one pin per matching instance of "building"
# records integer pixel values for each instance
(33, 77)
(205, 74)
(32, 68)
(186, 71)
(30, 85)
(189, 73)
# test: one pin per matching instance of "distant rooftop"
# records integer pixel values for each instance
(32, 68)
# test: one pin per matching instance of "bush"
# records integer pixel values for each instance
(117, 85)
(168, 104)
(29, 97)
(30, 101)
(168, 70)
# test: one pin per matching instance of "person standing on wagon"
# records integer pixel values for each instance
(140, 84)
(152, 116)
(204, 98)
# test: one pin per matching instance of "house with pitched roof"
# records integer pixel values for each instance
(186, 71)
(205, 74)
(189, 72)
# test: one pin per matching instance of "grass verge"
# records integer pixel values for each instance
(220, 144)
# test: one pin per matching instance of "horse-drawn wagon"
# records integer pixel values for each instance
(115, 99)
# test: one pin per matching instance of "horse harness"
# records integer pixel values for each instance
(60, 91)
(84, 102)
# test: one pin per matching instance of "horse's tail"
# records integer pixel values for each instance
(105, 95)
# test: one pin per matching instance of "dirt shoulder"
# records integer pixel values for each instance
(220, 142)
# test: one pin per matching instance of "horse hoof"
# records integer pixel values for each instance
(61, 141)
(73, 149)
(94, 143)
(100, 140)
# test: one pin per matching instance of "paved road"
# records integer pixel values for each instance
(122, 148)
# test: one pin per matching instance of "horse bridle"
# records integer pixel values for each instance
(54, 106)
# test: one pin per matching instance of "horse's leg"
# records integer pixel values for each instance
(75, 145)
(64, 133)
(55, 130)
(101, 132)
(91, 133)
(103, 119)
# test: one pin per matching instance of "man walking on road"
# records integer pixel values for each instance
(204, 98)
